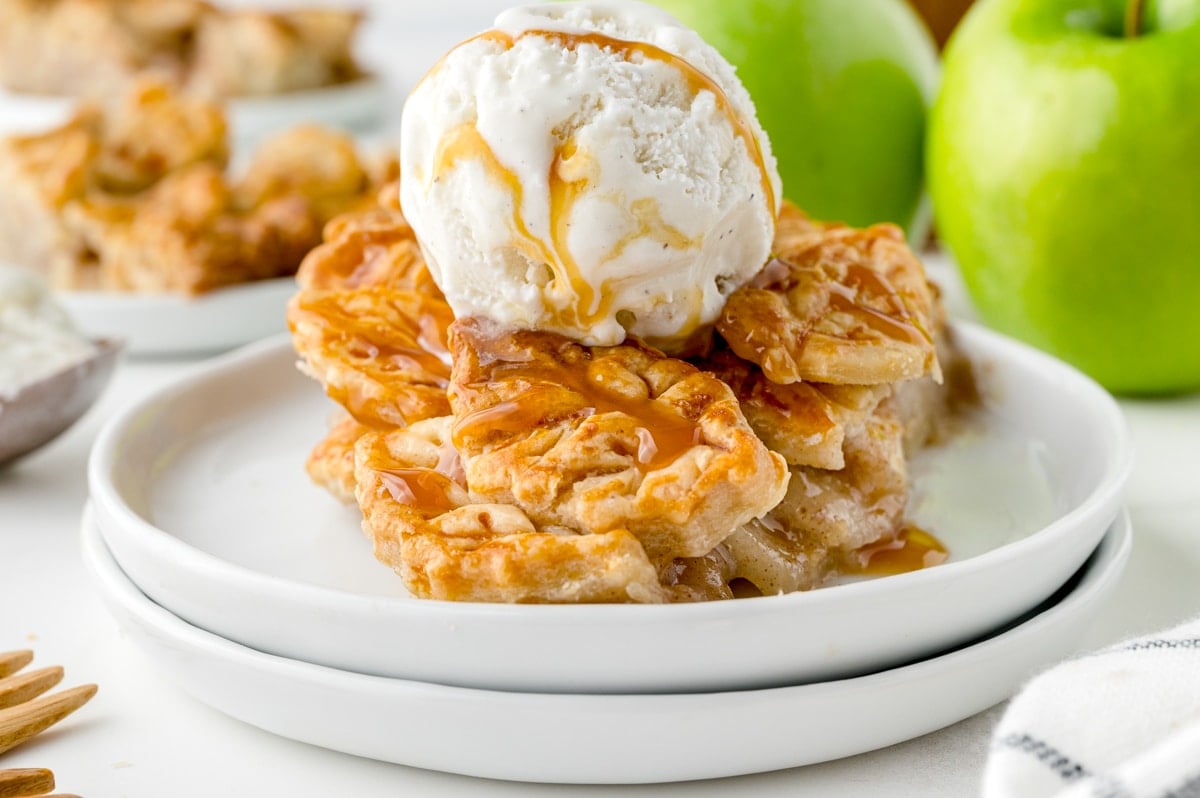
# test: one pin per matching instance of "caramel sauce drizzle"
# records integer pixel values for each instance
(466, 143)
(414, 346)
(900, 325)
(433, 332)
(419, 344)
(663, 434)
(450, 465)
(420, 488)
(651, 226)
(427, 489)
(570, 175)
(697, 82)
(911, 549)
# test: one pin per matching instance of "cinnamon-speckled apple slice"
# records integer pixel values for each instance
(836, 305)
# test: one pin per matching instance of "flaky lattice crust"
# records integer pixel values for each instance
(836, 305)
(446, 545)
(367, 249)
(380, 353)
(369, 259)
(805, 422)
(601, 438)
(184, 236)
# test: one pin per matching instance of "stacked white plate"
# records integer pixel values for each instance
(258, 594)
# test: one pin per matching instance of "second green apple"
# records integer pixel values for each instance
(842, 88)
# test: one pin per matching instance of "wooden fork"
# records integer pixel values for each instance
(23, 782)
(23, 714)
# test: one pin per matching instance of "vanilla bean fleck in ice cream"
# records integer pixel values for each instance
(592, 169)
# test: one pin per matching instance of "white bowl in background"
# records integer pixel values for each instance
(174, 324)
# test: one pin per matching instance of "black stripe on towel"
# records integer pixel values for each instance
(1145, 645)
(1185, 644)
(1066, 768)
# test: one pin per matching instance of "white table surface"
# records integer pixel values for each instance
(143, 738)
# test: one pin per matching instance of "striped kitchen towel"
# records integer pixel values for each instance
(1123, 722)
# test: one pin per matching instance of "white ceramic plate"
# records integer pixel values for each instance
(569, 738)
(200, 493)
(358, 106)
(169, 324)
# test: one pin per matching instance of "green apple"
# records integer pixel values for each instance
(842, 88)
(1064, 159)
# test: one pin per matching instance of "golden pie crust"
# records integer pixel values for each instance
(835, 305)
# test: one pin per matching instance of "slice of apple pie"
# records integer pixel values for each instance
(523, 466)
(135, 197)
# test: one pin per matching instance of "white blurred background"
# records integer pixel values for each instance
(398, 42)
(401, 39)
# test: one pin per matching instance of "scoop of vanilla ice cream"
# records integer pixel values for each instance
(591, 168)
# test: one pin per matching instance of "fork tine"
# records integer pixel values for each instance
(13, 661)
(28, 686)
(25, 781)
(19, 723)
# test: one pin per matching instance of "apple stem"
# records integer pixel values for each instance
(1133, 18)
